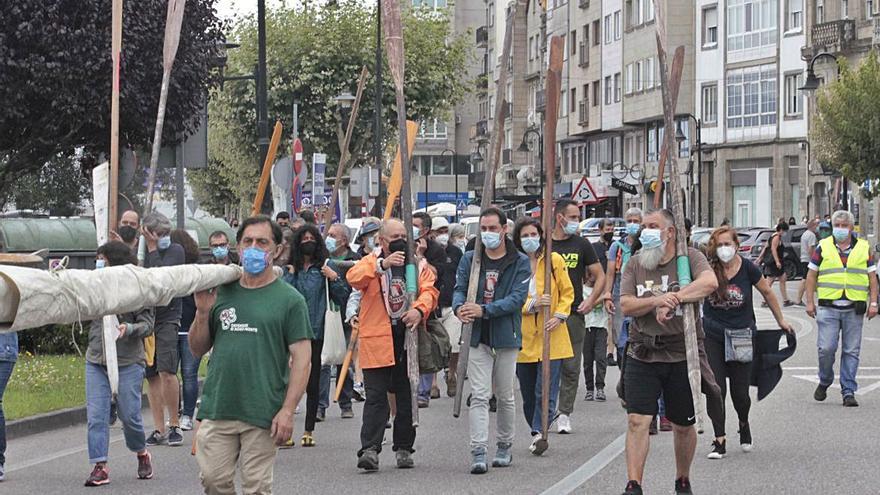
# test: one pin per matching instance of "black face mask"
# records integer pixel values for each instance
(127, 233)
(397, 246)
(608, 237)
(308, 247)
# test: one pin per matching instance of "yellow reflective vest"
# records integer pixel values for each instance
(837, 281)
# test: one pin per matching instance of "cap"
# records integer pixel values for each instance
(368, 228)
(438, 223)
(824, 225)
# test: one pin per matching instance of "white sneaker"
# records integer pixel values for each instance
(186, 423)
(563, 424)
(535, 438)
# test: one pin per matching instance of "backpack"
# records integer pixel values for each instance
(434, 347)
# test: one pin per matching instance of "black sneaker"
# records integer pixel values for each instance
(404, 459)
(609, 360)
(633, 488)
(175, 438)
(821, 393)
(145, 466)
(683, 486)
(493, 404)
(719, 450)
(745, 437)
(653, 430)
(368, 460)
(850, 401)
(156, 438)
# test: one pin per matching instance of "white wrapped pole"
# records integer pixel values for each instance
(31, 298)
(111, 333)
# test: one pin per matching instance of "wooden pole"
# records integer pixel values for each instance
(116, 54)
(674, 84)
(344, 156)
(669, 86)
(267, 169)
(485, 202)
(352, 342)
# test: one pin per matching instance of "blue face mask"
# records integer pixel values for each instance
(100, 264)
(253, 260)
(371, 244)
(416, 232)
(632, 228)
(490, 239)
(571, 228)
(164, 243)
(331, 244)
(220, 252)
(840, 234)
(530, 244)
(650, 238)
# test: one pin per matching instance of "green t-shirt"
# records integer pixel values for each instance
(251, 330)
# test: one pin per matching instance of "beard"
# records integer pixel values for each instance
(650, 258)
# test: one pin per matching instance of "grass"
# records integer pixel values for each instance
(41, 384)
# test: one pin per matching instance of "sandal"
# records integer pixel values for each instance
(307, 440)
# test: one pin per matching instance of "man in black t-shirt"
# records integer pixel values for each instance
(579, 257)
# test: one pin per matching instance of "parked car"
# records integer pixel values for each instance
(791, 261)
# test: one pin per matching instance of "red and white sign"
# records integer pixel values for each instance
(584, 194)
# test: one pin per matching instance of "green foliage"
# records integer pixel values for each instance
(57, 188)
(55, 339)
(41, 384)
(314, 53)
(846, 130)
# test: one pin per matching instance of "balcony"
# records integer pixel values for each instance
(583, 54)
(834, 36)
(584, 4)
(583, 114)
(482, 36)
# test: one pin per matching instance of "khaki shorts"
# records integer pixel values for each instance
(452, 325)
(167, 359)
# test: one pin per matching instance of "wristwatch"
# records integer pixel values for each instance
(873, 305)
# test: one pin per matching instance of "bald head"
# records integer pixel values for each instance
(390, 231)
(130, 218)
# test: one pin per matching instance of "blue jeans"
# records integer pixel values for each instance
(128, 407)
(426, 380)
(189, 370)
(530, 385)
(324, 389)
(5, 373)
(834, 323)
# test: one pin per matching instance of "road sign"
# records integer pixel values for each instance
(584, 194)
(623, 186)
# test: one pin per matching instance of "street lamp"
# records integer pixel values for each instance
(524, 147)
(442, 154)
(812, 82)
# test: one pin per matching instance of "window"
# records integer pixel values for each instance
(751, 96)
(564, 52)
(586, 92)
(684, 147)
(531, 48)
(710, 27)
(710, 104)
(869, 10)
(572, 43)
(586, 35)
(844, 9)
(596, 35)
(617, 25)
(820, 11)
(608, 29)
(608, 90)
(433, 165)
(794, 15)
(572, 100)
(617, 87)
(794, 105)
(638, 76)
(628, 80)
(430, 4)
(563, 103)
(632, 13)
(596, 93)
(648, 10)
(433, 129)
(491, 14)
(652, 144)
(649, 73)
(751, 24)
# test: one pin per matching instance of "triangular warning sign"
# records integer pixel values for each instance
(583, 194)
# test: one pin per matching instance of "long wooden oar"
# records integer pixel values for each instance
(267, 169)
(352, 342)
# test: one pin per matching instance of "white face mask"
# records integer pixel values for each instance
(442, 239)
(725, 253)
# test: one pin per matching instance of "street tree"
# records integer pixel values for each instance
(314, 53)
(55, 78)
(846, 130)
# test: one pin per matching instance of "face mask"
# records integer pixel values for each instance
(442, 239)
(650, 238)
(308, 247)
(632, 228)
(331, 244)
(608, 236)
(461, 244)
(398, 246)
(253, 260)
(725, 253)
(100, 264)
(371, 244)
(571, 228)
(220, 252)
(416, 232)
(164, 243)
(127, 233)
(530, 244)
(840, 233)
(490, 239)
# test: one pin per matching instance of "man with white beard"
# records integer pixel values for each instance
(655, 355)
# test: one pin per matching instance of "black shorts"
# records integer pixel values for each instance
(643, 383)
(166, 359)
(770, 270)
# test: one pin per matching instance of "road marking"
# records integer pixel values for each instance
(589, 469)
(860, 391)
(813, 368)
(54, 456)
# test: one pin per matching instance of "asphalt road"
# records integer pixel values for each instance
(801, 447)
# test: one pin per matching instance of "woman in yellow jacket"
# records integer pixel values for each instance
(528, 236)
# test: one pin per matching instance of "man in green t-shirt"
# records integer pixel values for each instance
(258, 327)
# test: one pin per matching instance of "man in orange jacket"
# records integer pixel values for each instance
(385, 317)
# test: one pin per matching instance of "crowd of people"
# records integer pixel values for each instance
(618, 301)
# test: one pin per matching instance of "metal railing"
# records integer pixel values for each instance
(482, 36)
(834, 34)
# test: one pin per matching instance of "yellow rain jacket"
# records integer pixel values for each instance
(562, 296)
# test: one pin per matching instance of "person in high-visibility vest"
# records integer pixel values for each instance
(843, 273)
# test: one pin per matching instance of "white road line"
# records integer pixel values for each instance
(814, 368)
(860, 391)
(57, 455)
(589, 469)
